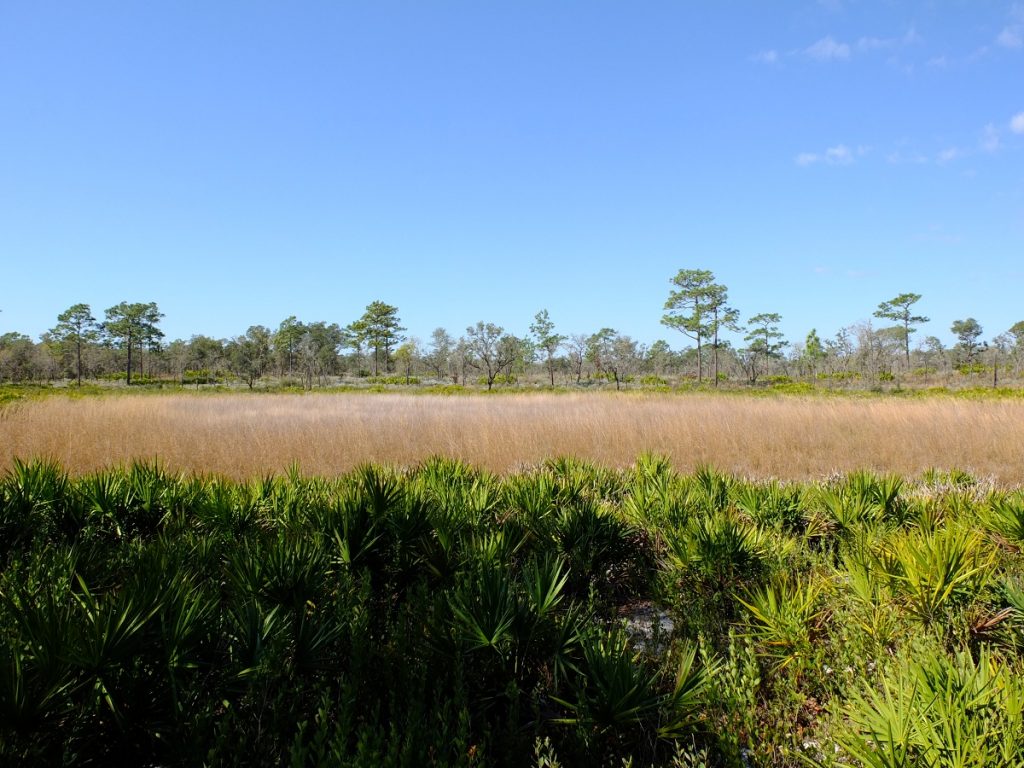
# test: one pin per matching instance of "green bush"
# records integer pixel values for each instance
(393, 380)
(973, 369)
(501, 380)
(938, 710)
(442, 615)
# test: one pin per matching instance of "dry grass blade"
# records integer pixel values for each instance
(791, 437)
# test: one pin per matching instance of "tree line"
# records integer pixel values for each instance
(129, 343)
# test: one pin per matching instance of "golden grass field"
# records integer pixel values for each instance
(787, 437)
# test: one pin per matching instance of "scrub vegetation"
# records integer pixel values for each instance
(569, 614)
(215, 552)
(128, 347)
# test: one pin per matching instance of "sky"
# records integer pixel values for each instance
(242, 161)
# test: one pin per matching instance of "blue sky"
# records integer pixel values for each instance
(239, 162)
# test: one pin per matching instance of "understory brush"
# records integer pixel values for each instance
(567, 614)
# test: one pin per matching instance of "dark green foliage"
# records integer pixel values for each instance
(772, 505)
(615, 692)
(441, 615)
(35, 495)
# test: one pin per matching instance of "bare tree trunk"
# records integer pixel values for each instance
(716, 353)
(700, 362)
(128, 374)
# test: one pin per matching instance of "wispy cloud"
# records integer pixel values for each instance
(1010, 37)
(944, 156)
(910, 37)
(906, 158)
(837, 155)
(990, 141)
(766, 57)
(874, 43)
(828, 49)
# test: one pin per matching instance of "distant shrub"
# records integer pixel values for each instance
(653, 381)
(137, 378)
(445, 389)
(400, 380)
(502, 379)
(839, 376)
(972, 368)
(794, 387)
(202, 376)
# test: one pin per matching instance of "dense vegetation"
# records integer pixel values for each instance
(565, 615)
(128, 346)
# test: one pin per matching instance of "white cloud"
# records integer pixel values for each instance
(990, 139)
(827, 49)
(912, 37)
(871, 43)
(981, 53)
(837, 155)
(1010, 37)
(767, 57)
(899, 158)
(830, 49)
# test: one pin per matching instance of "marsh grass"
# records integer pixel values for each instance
(788, 437)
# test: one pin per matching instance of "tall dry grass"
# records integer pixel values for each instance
(790, 437)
